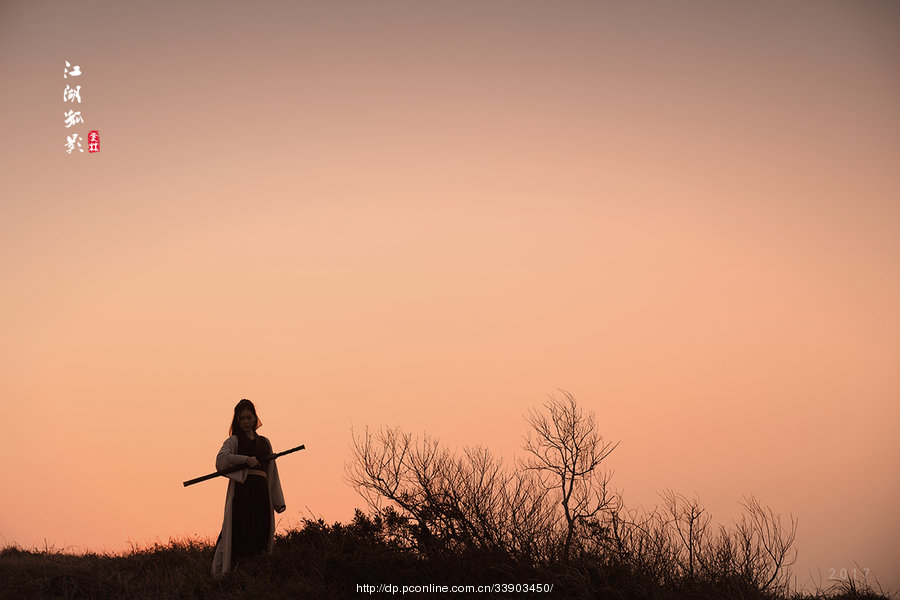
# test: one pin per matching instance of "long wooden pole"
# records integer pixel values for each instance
(239, 467)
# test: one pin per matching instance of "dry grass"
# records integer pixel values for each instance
(320, 560)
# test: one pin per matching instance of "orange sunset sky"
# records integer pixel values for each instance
(433, 215)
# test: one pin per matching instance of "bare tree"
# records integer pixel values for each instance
(689, 523)
(766, 546)
(566, 449)
(456, 503)
(558, 503)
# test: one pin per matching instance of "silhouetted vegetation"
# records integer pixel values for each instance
(320, 560)
(436, 518)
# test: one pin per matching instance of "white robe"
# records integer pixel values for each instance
(222, 560)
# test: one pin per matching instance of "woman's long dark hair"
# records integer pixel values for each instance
(241, 406)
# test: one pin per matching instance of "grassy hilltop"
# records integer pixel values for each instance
(331, 561)
(546, 527)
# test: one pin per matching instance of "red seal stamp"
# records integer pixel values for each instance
(94, 141)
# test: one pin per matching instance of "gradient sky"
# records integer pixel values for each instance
(433, 215)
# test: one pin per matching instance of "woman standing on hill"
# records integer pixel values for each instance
(253, 492)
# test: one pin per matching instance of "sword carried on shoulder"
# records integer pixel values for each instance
(235, 468)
